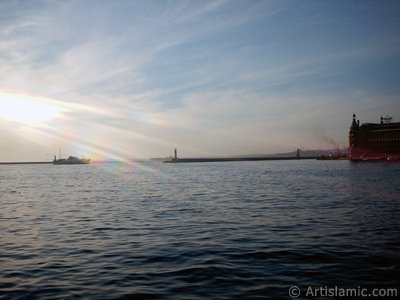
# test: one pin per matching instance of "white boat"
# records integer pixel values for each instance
(72, 160)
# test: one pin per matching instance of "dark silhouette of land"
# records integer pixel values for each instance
(287, 156)
(211, 159)
(26, 163)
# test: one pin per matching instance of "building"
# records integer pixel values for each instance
(371, 141)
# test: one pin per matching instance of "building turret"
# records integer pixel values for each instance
(354, 124)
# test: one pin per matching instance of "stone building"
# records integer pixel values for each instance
(371, 141)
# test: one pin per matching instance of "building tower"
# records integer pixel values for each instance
(353, 136)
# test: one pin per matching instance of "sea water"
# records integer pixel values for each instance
(233, 230)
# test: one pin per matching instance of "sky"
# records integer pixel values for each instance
(136, 79)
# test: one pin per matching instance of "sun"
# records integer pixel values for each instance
(28, 110)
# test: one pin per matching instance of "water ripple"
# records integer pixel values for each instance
(246, 230)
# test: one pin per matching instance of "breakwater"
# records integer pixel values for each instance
(227, 159)
(26, 163)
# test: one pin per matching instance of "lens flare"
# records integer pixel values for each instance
(92, 131)
(27, 110)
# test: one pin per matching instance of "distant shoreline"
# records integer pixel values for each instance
(179, 160)
(199, 160)
(26, 162)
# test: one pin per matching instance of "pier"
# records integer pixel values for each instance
(227, 159)
(175, 159)
(26, 163)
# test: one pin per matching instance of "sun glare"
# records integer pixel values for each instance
(26, 109)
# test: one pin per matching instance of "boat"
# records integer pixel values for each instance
(72, 160)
